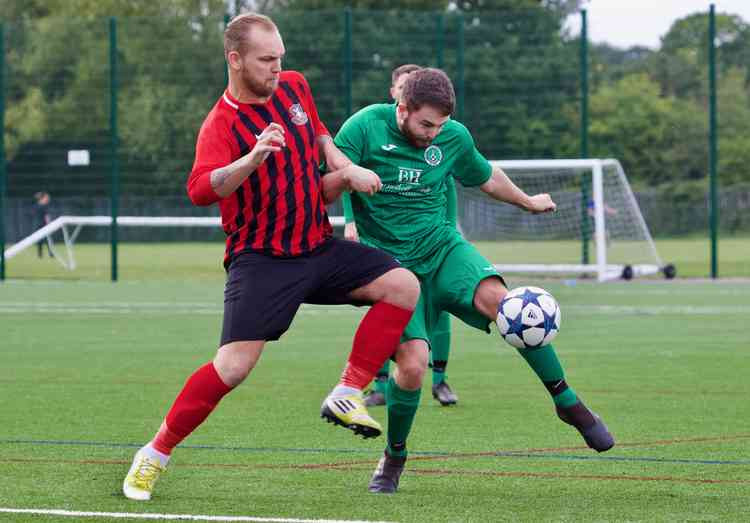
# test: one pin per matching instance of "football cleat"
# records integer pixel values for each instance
(387, 475)
(350, 412)
(143, 473)
(597, 436)
(443, 393)
(374, 398)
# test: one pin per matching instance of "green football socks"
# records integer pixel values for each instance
(440, 347)
(402, 408)
(545, 364)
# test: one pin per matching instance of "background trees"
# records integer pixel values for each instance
(515, 67)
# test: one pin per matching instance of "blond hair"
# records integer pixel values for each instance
(237, 31)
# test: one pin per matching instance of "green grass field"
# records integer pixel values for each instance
(90, 367)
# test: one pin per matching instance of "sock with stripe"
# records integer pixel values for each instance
(440, 347)
(375, 341)
(201, 393)
(547, 367)
(402, 408)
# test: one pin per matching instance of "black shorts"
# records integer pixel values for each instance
(263, 292)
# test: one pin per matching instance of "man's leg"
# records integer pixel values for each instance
(199, 396)
(402, 397)
(394, 295)
(546, 365)
(440, 345)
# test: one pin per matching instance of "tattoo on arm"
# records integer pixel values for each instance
(219, 177)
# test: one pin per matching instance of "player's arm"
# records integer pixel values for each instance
(501, 188)
(225, 180)
(350, 143)
(332, 155)
(350, 178)
(350, 226)
(215, 176)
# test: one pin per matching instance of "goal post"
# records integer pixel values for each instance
(598, 228)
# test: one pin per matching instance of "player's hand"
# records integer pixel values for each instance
(540, 203)
(350, 232)
(271, 140)
(363, 180)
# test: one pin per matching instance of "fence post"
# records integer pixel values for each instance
(585, 195)
(113, 138)
(460, 67)
(2, 152)
(440, 39)
(713, 146)
(348, 61)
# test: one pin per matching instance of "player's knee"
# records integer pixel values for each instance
(488, 295)
(411, 361)
(234, 361)
(402, 288)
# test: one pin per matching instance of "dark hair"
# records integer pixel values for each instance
(431, 87)
(403, 69)
(237, 31)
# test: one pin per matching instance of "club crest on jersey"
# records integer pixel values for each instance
(298, 114)
(433, 155)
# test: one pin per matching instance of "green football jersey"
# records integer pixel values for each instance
(407, 218)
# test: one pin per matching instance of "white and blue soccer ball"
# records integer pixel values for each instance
(528, 317)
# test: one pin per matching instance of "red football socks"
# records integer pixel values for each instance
(375, 341)
(201, 393)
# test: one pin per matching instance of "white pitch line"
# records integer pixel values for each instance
(170, 517)
(208, 309)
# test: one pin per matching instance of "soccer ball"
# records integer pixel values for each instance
(528, 317)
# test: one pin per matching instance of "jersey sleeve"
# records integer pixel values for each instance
(451, 203)
(352, 138)
(212, 151)
(473, 168)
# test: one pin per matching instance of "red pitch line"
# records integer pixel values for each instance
(485, 454)
(438, 472)
(548, 475)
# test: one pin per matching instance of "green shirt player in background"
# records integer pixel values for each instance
(440, 334)
(414, 147)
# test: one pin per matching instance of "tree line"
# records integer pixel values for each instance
(516, 67)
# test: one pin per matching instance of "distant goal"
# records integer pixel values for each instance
(598, 229)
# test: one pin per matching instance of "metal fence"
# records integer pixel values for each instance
(521, 83)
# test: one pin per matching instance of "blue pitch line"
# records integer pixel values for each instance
(505, 454)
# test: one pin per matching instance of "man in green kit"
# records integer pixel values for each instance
(414, 146)
(440, 333)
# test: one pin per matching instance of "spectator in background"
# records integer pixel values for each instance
(42, 217)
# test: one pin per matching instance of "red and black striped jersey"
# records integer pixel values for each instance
(279, 208)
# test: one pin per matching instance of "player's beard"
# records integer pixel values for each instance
(260, 88)
(419, 141)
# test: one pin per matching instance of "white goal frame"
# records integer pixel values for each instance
(603, 270)
(71, 226)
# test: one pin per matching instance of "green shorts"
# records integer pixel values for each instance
(451, 288)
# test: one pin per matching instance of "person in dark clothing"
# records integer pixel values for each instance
(42, 217)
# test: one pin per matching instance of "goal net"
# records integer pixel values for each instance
(598, 229)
